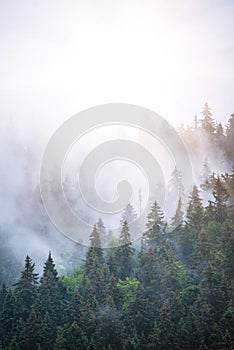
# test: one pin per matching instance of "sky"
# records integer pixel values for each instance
(60, 57)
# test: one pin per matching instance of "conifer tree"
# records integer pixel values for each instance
(47, 334)
(155, 216)
(102, 232)
(94, 257)
(207, 121)
(221, 196)
(25, 290)
(206, 176)
(49, 297)
(8, 320)
(154, 227)
(124, 253)
(129, 214)
(177, 220)
(109, 330)
(195, 213)
(71, 338)
(164, 333)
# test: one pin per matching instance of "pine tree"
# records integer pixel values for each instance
(205, 176)
(124, 253)
(209, 214)
(26, 290)
(176, 184)
(95, 240)
(102, 232)
(177, 220)
(219, 129)
(193, 224)
(138, 313)
(71, 338)
(49, 294)
(28, 332)
(8, 320)
(174, 272)
(129, 214)
(47, 333)
(150, 277)
(164, 333)
(109, 329)
(155, 216)
(207, 122)
(221, 196)
(195, 213)
(155, 226)
(94, 257)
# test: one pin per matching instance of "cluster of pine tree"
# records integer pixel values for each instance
(176, 292)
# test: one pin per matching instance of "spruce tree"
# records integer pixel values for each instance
(195, 213)
(154, 227)
(47, 335)
(71, 337)
(221, 196)
(124, 253)
(102, 232)
(177, 220)
(8, 320)
(207, 121)
(94, 258)
(49, 294)
(26, 289)
(155, 216)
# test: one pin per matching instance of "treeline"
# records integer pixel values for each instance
(175, 292)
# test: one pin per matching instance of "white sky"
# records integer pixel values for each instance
(60, 57)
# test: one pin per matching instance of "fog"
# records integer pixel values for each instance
(60, 58)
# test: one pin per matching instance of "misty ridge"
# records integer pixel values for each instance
(26, 228)
(168, 284)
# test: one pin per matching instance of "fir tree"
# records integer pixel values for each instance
(129, 214)
(195, 213)
(49, 297)
(8, 320)
(155, 225)
(177, 220)
(25, 290)
(155, 216)
(47, 333)
(102, 233)
(207, 121)
(221, 196)
(124, 253)
(94, 257)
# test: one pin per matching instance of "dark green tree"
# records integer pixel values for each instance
(125, 253)
(71, 338)
(154, 227)
(221, 196)
(26, 289)
(177, 220)
(47, 335)
(8, 320)
(195, 212)
(49, 298)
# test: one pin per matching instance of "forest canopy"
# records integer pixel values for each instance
(172, 289)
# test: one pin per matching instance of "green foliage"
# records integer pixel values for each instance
(129, 288)
(177, 293)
